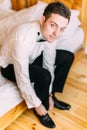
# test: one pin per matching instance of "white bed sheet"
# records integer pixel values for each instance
(5, 13)
(9, 95)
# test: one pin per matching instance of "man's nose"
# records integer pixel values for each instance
(57, 33)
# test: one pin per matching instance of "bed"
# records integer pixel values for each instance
(11, 102)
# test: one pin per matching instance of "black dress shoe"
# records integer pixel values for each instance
(46, 120)
(61, 105)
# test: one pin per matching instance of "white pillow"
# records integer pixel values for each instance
(5, 13)
(72, 43)
(73, 24)
(5, 4)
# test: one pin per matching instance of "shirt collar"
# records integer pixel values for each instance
(40, 37)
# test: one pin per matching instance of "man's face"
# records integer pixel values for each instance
(53, 27)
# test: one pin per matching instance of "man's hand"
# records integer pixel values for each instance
(41, 110)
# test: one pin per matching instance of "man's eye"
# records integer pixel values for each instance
(52, 25)
(62, 30)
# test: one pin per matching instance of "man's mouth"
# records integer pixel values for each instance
(52, 37)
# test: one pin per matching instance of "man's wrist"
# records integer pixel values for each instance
(50, 94)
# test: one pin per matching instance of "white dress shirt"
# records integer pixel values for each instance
(21, 48)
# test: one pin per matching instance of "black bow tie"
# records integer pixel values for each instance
(41, 40)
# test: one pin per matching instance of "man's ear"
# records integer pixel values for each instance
(42, 20)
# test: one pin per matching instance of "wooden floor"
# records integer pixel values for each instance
(75, 93)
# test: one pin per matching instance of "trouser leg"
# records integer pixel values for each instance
(42, 79)
(8, 73)
(63, 62)
(40, 76)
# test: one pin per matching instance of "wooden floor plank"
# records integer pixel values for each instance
(10, 116)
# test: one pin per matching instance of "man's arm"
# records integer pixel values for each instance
(20, 58)
(49, 55)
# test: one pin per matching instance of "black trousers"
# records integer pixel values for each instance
(42, 78)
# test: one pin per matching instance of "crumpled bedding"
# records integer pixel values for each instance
(9, 95)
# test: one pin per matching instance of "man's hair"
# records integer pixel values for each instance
(57, 8)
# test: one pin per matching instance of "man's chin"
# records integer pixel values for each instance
(51, 40)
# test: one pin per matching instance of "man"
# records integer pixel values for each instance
(28, 58)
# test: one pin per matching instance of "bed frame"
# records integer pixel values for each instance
(80, 5)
